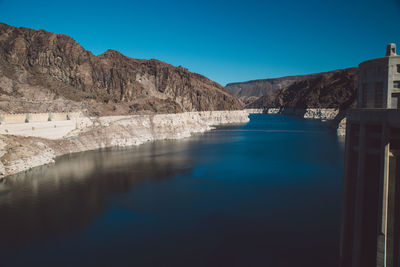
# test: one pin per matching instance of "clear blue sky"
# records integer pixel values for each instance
(227, 41)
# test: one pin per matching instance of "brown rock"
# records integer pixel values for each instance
(250, 91)
(335, 89)
(42, 71)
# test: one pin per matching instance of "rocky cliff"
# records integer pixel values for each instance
(250, 91)
(42, 71)
(324, 96)
(336, 89)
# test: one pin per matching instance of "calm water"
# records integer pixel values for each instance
(262, 194)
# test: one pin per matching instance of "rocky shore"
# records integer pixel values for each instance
(336, 118)
(18, 153)
(325, 96)
(309, 113)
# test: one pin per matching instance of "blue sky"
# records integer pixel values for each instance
(227, 41)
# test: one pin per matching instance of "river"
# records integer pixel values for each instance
(267, 193)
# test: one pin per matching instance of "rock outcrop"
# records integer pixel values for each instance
(18, 153)
(324, 96)
(42, 71)
(250, 91)
(336, 89)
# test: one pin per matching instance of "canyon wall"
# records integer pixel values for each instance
(250, 91)
(336, 89)
(325, 96)
(19, 153)
(45, 72)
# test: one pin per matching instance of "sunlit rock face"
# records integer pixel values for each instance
(336, 89)
(324, 96)
(20, 153)
(42, 71)
(250, 91)
(319, 90)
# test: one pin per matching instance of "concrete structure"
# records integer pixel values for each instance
(37, 117)
(370, 234)
(379, 81)
(45, 125)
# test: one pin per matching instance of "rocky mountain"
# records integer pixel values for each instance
(249, 91)
(42, 71)
(335, 89)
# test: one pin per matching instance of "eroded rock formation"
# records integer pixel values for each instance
(336, 89)
(42, 71)
(250, 91)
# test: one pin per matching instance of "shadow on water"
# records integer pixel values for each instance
(61, 198)
(262, 194)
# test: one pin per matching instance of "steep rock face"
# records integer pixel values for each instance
(42, 71)
(250, 91)
(336, 89)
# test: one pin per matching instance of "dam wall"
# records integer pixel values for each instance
(48, 129)
(45, 125)
(12, 118)
(37, 117)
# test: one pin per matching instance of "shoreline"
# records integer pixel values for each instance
(335, 117)
(22, 153)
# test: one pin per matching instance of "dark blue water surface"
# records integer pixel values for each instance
(266, 193)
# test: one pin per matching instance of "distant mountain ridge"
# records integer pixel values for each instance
(42, 71)
(334, 89)
(251, 90)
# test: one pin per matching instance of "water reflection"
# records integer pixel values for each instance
(65, 197)
(262, 194)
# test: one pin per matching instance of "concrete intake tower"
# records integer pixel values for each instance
(370, 233)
